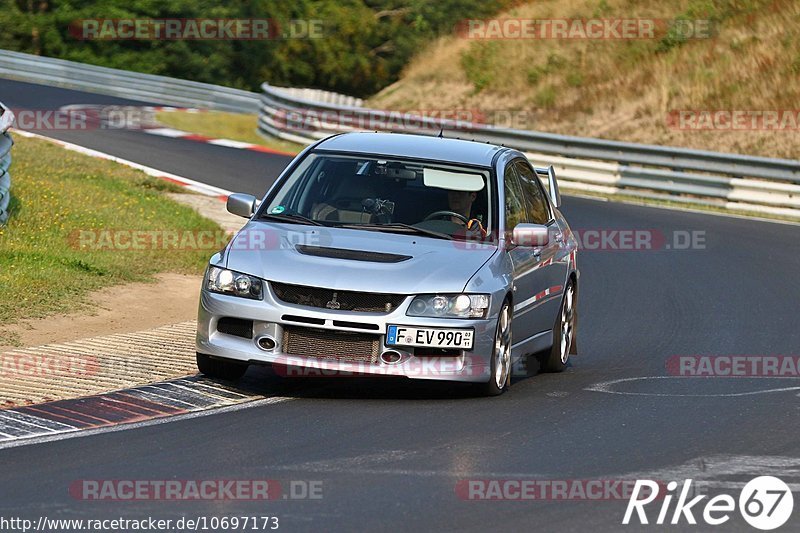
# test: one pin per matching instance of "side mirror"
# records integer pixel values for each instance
(534, 235)
(555, 195)
(243, 205)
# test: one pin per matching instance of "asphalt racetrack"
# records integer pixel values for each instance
(394, 454)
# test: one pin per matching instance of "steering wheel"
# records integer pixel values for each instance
(442, 214)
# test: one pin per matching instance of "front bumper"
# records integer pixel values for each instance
(270, 316)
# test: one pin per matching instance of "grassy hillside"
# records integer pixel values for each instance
(623, 89)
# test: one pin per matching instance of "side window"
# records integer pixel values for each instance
(533, 194)
(515, 208)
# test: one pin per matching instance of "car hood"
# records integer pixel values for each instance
(373, 261)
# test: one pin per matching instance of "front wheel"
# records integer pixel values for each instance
(555, 360)
(500, 368)
(217, 368)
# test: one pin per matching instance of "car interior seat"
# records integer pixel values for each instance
(347, 191)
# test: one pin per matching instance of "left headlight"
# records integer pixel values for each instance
(226, 281)
(450, 305)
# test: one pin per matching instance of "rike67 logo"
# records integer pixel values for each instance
(765, 503)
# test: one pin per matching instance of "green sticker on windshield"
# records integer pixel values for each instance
(278, 209)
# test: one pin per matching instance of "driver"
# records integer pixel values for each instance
(461, 203)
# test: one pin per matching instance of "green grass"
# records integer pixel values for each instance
(220, 125)
(56, 194)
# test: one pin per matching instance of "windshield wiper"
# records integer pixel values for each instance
(291, 218)
(405, 228)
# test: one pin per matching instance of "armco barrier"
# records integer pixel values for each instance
(148, 87)
(124, 84)
(6, 120)
(729, 181)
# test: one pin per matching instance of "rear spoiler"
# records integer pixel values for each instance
(552, 184)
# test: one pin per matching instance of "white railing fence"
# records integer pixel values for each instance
(595, 166)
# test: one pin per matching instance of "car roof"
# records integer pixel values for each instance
(414, 147)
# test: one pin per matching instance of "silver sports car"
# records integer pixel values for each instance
(390, 254)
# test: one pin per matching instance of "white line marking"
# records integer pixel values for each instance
(203, 394)
(167, 132)
(145, 423)
(606, 387)
(26, 417)
(4, 416)
(210, 392)
(161, 397)
(211, 386)
(230, 143)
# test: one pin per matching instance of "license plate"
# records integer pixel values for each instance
(459, 339)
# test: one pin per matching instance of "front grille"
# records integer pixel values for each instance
(332, 345)
(364, 302)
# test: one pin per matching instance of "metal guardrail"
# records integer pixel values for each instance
(157, 89)
(728, 181)
(123, 83)
(6, 120)
(320, 96)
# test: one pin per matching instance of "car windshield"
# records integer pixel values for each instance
(380, 194)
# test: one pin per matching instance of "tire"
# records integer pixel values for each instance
(500, 368)
(555, 359)
(220, 369)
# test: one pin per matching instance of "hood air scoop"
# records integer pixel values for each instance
(353, 255)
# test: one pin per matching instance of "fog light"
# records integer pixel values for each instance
(266, 343)
(390, 357)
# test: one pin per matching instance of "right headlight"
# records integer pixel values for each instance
(450, 306)
(226, 281)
